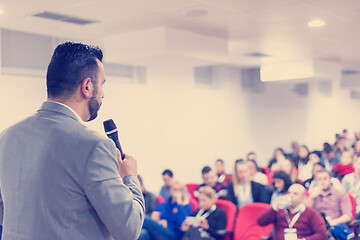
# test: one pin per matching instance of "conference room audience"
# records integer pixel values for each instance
(279, 156)
(305, 172)
(281, 183)
(351, 183)
(303, 157)
(243, 190)
(356, 149)
(289, 168)
(168, 178)
(325, 198)
(328, 157)
(310, 184)
(256, 174)
(150, 199)
(208, 220)
(307, 221)
(166, 220)
(210, 179)
(345, 165)
(294, 150)
(223, 177)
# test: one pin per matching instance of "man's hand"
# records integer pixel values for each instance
(204, 224)
(128, 166)
(315, 192)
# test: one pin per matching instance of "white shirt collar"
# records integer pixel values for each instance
(76, 115)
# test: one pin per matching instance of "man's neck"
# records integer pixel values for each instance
(72, 104)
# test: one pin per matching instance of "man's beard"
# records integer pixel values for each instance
(94, 106)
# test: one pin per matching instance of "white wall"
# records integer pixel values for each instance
(170, 122)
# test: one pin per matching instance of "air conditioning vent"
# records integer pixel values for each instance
(64, 18)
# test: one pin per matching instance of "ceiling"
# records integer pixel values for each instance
(277, 28)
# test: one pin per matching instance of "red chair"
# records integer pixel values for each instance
(159, 199)
(194, 204)
(192, 187)
(230, 211)
(246, 227)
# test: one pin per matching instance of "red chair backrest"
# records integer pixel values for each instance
(194, 204)
(192, 187)
(159, 199)
(353, 204)
(246, 226)
(230, 211)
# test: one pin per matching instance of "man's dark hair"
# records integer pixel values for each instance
(205, 170)
(251, 153)
(168, 172)
(70, 64)
(327, 148)
(220, 160)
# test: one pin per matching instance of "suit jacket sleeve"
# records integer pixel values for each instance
(118, 202)
(231, 195)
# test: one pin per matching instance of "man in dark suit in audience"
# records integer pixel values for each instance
(243, 190)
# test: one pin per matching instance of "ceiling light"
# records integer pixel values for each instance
(316, 23)
(1, 11)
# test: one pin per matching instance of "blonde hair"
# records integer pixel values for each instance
(208, 192)
(235, 178)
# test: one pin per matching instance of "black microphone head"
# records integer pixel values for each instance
(109, 127)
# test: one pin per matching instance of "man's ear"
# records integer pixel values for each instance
(87, 88)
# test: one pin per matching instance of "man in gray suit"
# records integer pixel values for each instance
(59, 179)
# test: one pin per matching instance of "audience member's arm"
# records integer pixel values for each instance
(317, 224)
(267, 217)
(155, 215)
(182, 213)
(346, 209)
(220, 225)
(315, 192)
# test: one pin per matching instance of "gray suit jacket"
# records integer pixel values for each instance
(60, 180)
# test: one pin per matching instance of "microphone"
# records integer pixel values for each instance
(112, 132)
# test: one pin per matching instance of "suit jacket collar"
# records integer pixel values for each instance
(58, 108)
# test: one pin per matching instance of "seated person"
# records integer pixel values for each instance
(279, 156)
(168, 177)
(210, 179)
(255, 173)
(311, 183)
(326, 199)
(345, 165)
(281, 183)
(288, 166)
(307, 221)
(223, 178)
(150, 199)
(167, 218)
(209, 218)
(305, 171)
(329, 157)
(351, 183)
(243, 190)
